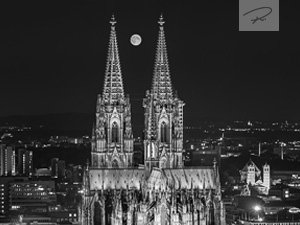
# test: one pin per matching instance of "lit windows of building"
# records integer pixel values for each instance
(32, 196)
(25, 162)
(286, 193)
(4, 194)
(7, 160)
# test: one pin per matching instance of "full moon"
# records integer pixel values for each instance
(135, 39)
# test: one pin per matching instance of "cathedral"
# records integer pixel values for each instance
(256, 178)
(162, 191)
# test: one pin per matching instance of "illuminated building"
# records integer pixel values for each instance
(7, 160)
(5, 194)
(251, 174)
(60, 216)
(54, 167)
(266, 176)
(204, 157)
(57, 168)
(25, 162)
(43, 172)
(31, 196)
(162, 191)
(2, 199)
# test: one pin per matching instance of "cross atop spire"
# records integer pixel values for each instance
(161, 20)
(113, 84)
(161, 84)
(112, 20)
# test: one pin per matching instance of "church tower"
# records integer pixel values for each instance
(163, 132)
(266, 176)
(112, 140)
(251, 173)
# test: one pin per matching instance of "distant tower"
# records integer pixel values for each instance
(266, 176)
(7, 160)
(61, 169)
(251, 173)
(25, 162)
(163, 138)
(54, 167)
(281, 148)
(112, 140)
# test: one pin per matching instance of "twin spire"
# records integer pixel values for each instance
(161, 84)
(113, 84)
(113, 89)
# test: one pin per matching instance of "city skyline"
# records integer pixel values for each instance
(53, 60)
(116, 112)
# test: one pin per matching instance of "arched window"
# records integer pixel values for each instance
(148, 151)
(211, 213)
(152, 149)
(95, 163)
(97, 212)
(163, 132)
(163, 215)
(114, 133)
(105, 132)
(115, 163)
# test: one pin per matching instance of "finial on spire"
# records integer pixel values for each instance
(161, 20)
(112, 20)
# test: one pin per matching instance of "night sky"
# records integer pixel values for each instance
(53, 56)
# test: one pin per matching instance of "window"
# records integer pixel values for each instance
(163, 132)
(115, 163)
(114, 132)
(163, 214)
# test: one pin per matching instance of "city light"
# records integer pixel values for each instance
(257, 208)
(190, 165)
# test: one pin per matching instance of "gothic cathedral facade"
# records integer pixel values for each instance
(163, 142)
(163, 191)
(112, 139)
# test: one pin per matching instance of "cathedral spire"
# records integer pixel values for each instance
(163, 114)
(161, 84)
(113, 84)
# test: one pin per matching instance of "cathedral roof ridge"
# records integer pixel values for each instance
(190, 168)
(116, 169)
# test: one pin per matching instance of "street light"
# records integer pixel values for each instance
(257, 208)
